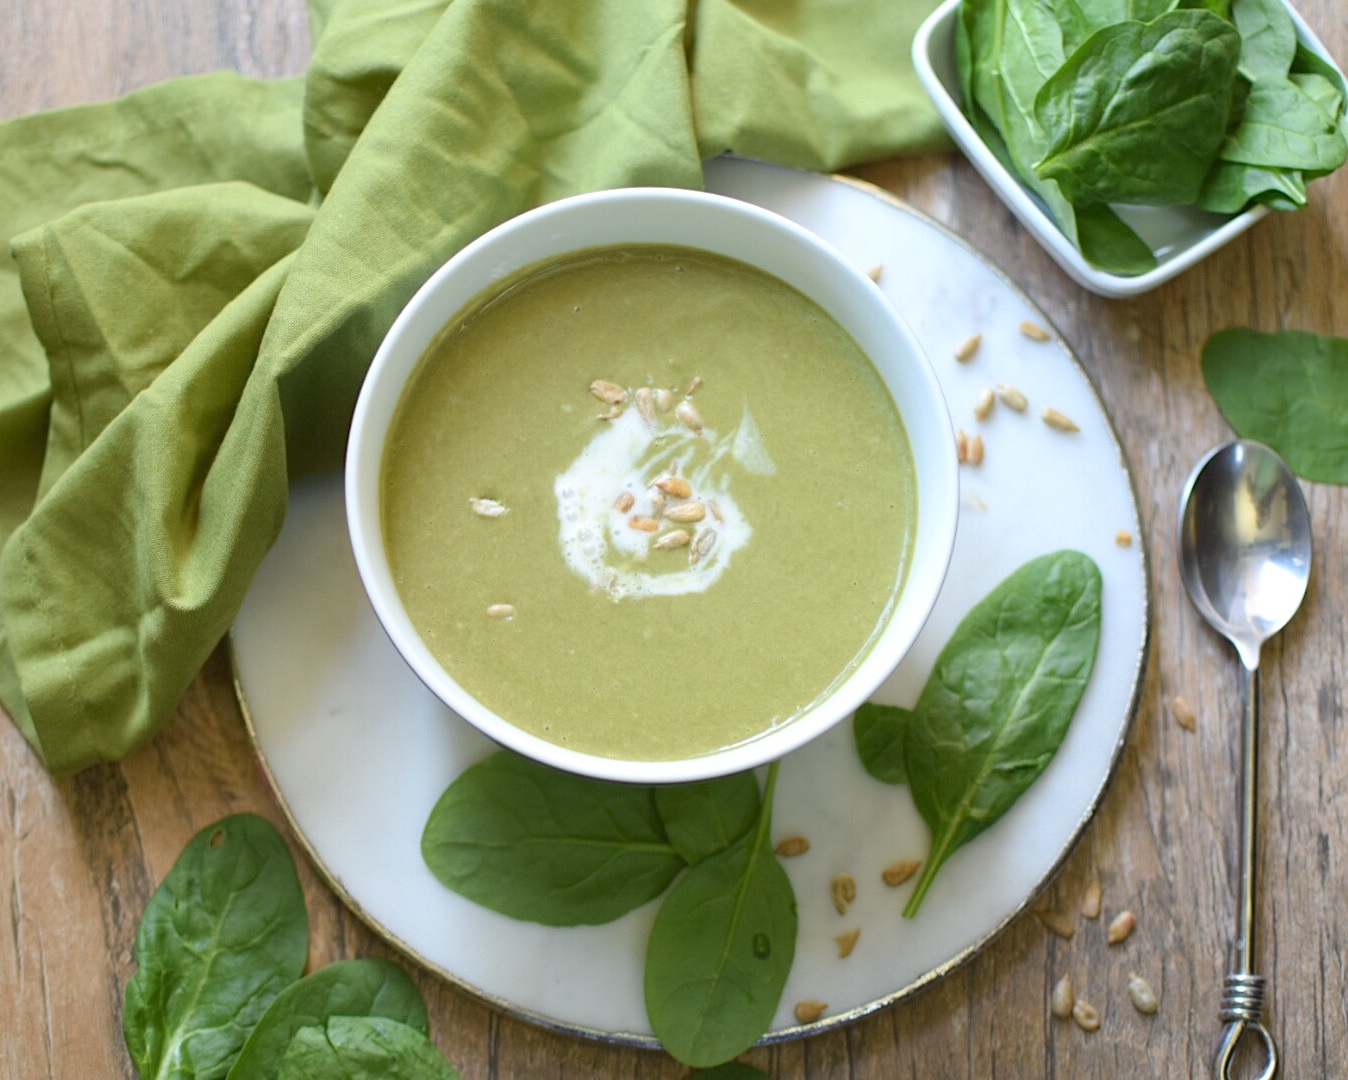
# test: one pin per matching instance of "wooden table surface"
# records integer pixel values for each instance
(81, 856)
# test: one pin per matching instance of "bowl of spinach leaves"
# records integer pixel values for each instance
(1134, 139)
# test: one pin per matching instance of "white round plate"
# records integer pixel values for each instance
(359, 751)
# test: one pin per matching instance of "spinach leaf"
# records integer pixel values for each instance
(997, 704)
(721, 948)
(222, 936)
(370, 987)
(1282, 127)
(1217, 7)
(1230, 187)
(363, 1048)
(703, 818)
(1322, 91)
(1288, 389)
(1268, 38)
(1108, 242)
(878, 731)
(1129, 88)
(546, 846)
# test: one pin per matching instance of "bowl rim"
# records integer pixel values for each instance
(396, 359)
(1031, 214)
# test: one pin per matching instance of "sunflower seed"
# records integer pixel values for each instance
(1123, 538)
(983, 406)
(1086, 1015)
(685, 512)
(488, 508)
(1011, 397)
(643, 523)
(807, 1012)
(843, 889)
(1184, 714)
(975, 450)
(703, 542)
(610, 393)
(645, 402)
(847, 942)
(792, 846)
(501, 611)
(1144, 997)
(968, 347)
(1035, 332)
(1090, 902)
(624, 502)
(1062, 925)
(671, 540)
(897, 873)
(1054, 419)
(674, 486)
(876, 272)
(664, 399)
(693, 386)
(1121, 927)
(1062, 999)
(687, 412)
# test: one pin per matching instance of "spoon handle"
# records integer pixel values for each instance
(1243, 997)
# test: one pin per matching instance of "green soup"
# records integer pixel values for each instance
(647, 503)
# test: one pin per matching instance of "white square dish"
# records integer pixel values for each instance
(1179, 235)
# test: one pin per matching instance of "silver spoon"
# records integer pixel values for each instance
(1245, 557)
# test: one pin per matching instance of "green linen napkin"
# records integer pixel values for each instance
(202, 270)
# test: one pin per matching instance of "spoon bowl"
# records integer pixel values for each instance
(1245, 560)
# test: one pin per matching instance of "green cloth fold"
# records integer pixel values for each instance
(202, 270)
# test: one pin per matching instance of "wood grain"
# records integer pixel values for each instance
(81, 856)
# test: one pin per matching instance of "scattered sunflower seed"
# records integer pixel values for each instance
(501, 611)
(1185, 716)
(847, 942)
(965, 352)
(843, 889)
(675, 486)
(1062, 925)
(693, 386)
(1121, 927)
(488, 508)
(671, 540)
(792, 846)
(983, 406)
(1091, 901)
(1123, 538)
(975, 450)
(876, 272)
(896, 873)
(686, 512)
(1054, 419)
(715, 509)
(1011, 397)
(807, 1012)
(664, 399)
(703, 542)
(624, 502)
(610, 393)
(1086, 1015)
(1062, 999)
(1035, 332)
(961, 446)
(687, 412)
(1144, 997)
(643, 523)
(645, 402)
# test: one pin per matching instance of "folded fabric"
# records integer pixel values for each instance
(203, 269)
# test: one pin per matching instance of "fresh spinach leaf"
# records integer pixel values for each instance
(368, 987)
(363, 1048)
(1282, 127)
(546, 846)
(1133, 87)
(222, 936)
(1322, 91)
(1268, 38)
(703, 818)
(1288, 389)
(998, 703)
(878, 731)
(1108, 242)
(1217, 7)
(721, 948)
(1230, 187)
(1306, 62)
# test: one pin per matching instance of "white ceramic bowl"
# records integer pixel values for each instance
(722, 226)
(1180, 236)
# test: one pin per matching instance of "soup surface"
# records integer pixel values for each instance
(647, 503)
